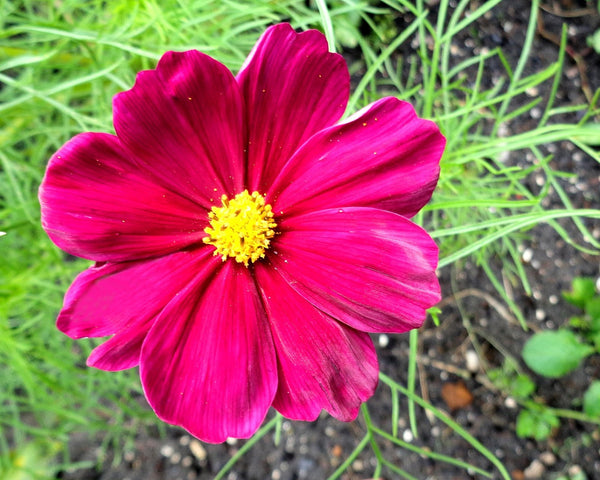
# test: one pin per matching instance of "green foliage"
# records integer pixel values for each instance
(32, 461)
(594, 41)
(554, 354)
(510, 380)
(537, 423)
(591, 400)
(582, 291)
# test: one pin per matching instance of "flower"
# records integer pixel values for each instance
(245, 240)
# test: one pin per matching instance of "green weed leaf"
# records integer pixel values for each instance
(591, 400)
(582, 291)
(523, 386)
(537, 424)
(594, 41)
(595, 339)
(592, 308)
(554, 353)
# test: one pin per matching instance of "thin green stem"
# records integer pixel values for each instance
(412, 369)
(451, 423)
(247, 446)
(327, 24)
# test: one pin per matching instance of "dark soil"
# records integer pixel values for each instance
(470, 313)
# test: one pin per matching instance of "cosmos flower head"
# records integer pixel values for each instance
(245, 239)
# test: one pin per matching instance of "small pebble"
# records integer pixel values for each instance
(548, 458)
(175, 458)
(166, 450)
(472, 361)
(510, 402)
(337, 451)
(407, 436)
(532, 92)
(197, 450)
(540, 180)
(575, 470)
(504, 131)
(384, 340)
(527, 255)
(540, 314)
(535, 470)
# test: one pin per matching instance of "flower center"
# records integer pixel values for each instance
(242, 228)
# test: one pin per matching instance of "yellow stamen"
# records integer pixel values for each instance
(242, 228)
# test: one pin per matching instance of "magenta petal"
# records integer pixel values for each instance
(322, 363)
(383, 157)
(371, 269)
(208, 363)
(293, 87)
(124, 299)
(96, 204)
(184, 122)
(122, 351)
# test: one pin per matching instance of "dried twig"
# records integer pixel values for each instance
(576, 56)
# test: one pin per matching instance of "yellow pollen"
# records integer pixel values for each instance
(242, 228)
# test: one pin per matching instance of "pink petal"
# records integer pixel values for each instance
(97, 204)
(208, 363)
(293, 87)
(322, 364)
(371, 269)
(122, 351)
(184, 122)
(124, 299)
(384, 157)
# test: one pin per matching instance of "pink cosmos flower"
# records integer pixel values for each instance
(245, 240)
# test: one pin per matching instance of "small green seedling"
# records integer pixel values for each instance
(537, 421)
(553, 354)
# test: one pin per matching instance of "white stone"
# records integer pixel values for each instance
(166, 450)
(197, 450)
(535, 470)
(548, 458)
(472, 361)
